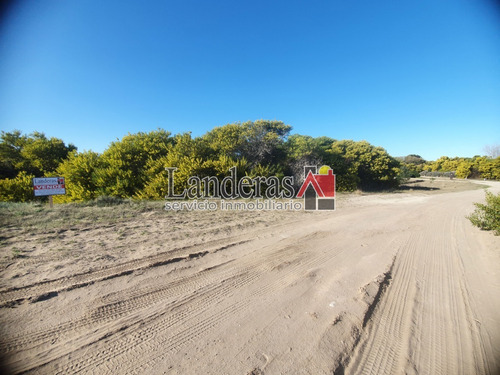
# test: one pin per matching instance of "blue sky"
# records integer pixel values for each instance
(419, 77)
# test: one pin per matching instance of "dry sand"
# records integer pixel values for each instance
(387, 284)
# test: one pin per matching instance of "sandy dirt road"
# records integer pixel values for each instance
(387, 284)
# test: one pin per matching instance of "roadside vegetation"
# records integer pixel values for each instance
(477, 167)
(37, 217)
(134, 167)
(487, 216)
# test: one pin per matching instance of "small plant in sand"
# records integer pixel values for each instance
(487, 216)
(16, 253)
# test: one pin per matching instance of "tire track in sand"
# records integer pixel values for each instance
(425, 322)
(198, 317)
(112, 341)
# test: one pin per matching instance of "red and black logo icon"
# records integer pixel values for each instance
(318, 190)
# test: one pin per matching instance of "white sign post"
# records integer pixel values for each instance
(43, 186)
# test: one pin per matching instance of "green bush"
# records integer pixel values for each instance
(79, 170)
(487, 216)
(18, 189)
(34, 154)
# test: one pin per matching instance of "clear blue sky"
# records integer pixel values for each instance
(418, 77)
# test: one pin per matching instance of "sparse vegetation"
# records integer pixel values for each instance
(36, 217)
(487, 216)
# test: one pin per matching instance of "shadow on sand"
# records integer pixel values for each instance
(422, 188)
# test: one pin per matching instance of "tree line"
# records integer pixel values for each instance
(134, 167)
(477, 167)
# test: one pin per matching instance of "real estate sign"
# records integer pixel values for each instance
(49, 186)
